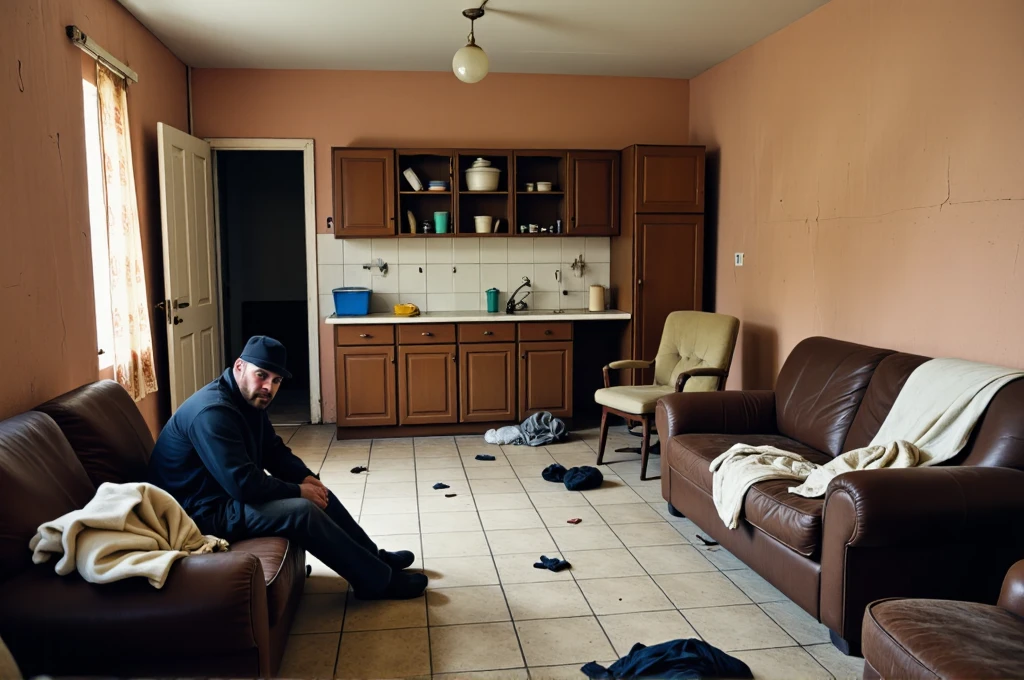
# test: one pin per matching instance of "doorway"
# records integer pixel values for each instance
(265, 226)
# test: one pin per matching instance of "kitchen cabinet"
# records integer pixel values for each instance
(364, 192)
(427, 387)
(668, 179)
(593, 193)
(487, 382)
(365, 384)
(545, 378)
(658, 258)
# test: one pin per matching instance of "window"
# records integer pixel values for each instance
(98, 226)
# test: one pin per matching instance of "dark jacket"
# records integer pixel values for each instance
(212, 454)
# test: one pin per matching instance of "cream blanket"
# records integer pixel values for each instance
(125, 530)
(929, 423)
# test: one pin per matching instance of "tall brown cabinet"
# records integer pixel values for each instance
(657, 259)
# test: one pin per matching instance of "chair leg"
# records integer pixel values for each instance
(645, 448)
(604, 435)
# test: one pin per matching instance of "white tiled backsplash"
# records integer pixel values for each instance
(451, 274)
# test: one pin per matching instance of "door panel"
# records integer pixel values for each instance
(670, 273)
(364, 192)
(191, 307)
(427, 387)
(366, 386)
(487, 382)
(545, 378)
(670, 179)
(594, 183)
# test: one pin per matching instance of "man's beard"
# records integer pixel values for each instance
(256, 401)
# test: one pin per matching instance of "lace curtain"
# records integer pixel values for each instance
(133, 339)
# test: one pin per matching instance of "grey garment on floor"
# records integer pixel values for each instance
(510, 434)
(543, 428)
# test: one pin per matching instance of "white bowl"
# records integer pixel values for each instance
(543, 186)
(482, 179)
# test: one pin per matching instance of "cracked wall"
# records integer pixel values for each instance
(46, 294)
(867, 159)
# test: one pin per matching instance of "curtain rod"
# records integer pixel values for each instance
(89, 46)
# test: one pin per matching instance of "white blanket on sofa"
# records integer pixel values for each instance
(125, 530)
(929, 423)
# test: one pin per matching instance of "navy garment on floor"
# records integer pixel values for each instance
(552, 563)
(484, 456)
(554, 473)
(676, 660)
(583, 478)
(441, 485)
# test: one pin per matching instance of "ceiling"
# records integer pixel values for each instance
(654, 38)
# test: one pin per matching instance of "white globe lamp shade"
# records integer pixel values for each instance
(470, 64)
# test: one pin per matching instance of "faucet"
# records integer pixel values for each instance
(511, 307)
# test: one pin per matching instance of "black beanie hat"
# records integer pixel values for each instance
(268, 354)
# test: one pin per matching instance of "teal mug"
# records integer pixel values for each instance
(441, 222)
(492, 300)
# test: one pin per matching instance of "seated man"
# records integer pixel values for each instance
(211, 457)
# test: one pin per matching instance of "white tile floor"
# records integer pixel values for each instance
(638, 574)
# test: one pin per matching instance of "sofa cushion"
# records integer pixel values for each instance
(278, 559)
(106, 431)
(40, 480)
(911, 638)
(820, 388)
(792, 520)
(886, 383)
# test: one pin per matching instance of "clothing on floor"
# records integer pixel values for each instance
(125, 530)
(583, 478)
(450, 495)
(212, 454)
(359, 468)
(554, 473)
(929, 423)
(552, 563)
(484, 456)
(676, 660)
(441, 485)
(508, 435)
(543, 428)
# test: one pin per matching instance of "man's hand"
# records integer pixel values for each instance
(314, 481)
(316, 493)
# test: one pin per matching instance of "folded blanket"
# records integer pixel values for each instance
(542, 428)
(929, 423)
(125, 530)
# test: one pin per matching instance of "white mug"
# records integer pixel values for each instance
(483, 223)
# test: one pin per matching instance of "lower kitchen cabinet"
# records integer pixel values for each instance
(545, 378)
(487, 382)
(427, 385)
(365, 385)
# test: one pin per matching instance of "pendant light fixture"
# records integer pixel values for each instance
(470, 63)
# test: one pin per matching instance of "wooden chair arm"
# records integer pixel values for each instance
(624, 364)
(703, 372)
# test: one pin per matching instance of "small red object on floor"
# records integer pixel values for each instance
(574, 520)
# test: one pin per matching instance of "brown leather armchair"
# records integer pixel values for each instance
(946, 639)
(223, 614)
(949, 531)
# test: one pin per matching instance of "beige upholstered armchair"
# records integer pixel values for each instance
(695, 354)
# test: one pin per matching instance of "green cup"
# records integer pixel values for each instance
(492, 300)
(441, 222)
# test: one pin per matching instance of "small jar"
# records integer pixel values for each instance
(534, 228)
(529, 186)
(523, 228)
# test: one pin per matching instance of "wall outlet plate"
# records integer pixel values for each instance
(738, 259)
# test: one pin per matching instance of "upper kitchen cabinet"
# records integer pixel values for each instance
(669, 179)
(364, 192)
(593, 193)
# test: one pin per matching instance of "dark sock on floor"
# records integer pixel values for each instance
(400, 559)
(484, 456)
(441, 485)
(552, 563)
(403, 586)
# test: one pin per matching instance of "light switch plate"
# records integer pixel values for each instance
(738, 259)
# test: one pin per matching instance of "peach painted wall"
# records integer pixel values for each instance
(46, 293)
(869, 165)
(426, 109)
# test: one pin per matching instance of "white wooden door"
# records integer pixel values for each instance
(192, 298)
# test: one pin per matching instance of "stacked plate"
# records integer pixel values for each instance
(437, 185)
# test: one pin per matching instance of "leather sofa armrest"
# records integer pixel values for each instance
(1011, 597)
(737, 412)
(706, 371)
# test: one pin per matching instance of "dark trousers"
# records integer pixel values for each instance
(330, 534)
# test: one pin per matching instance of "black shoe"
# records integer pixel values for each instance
(399, 560)
(403, 586)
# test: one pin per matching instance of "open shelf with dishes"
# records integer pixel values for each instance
(484, 193)
(541, 181)
(425, 196)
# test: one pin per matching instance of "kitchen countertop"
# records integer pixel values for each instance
(471, 317)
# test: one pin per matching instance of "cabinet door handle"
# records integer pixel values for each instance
(547, 331)
(639, 282)
(488, 332)
(523, 357)
(427, 334)
(365, 335)
(453, 358)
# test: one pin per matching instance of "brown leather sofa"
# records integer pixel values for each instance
(932, 639)
(947, 532)
(224, 614)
